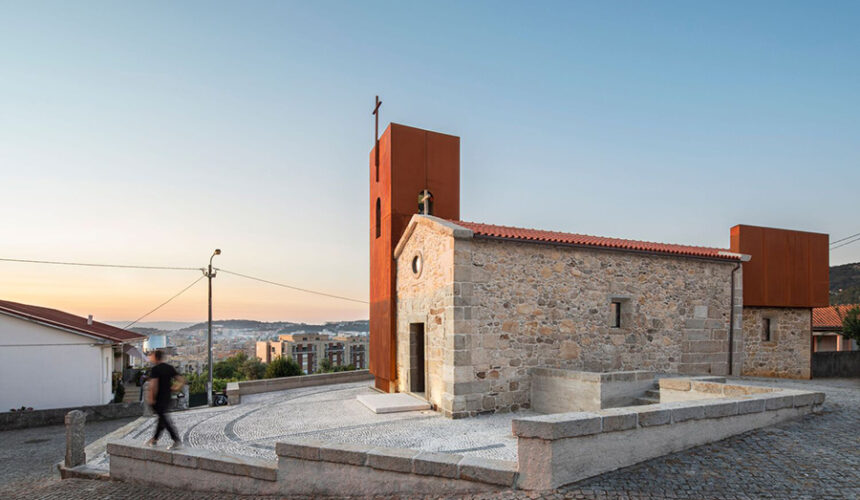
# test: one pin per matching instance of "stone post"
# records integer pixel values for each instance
(75, 441)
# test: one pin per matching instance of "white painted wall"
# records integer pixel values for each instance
(68, 372)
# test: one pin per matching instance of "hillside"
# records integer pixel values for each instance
(845, 284)
(286, 326)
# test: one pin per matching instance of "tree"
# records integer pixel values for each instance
(252, 369)
(851, 323)
(230, 367)
(283, 367)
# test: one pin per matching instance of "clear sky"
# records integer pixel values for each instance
(153, 132)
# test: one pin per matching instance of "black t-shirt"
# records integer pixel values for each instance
(165, 374)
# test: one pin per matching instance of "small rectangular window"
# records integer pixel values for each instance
(766, 333)
(615, 314)
(378, 217)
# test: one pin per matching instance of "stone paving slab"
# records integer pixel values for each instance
(392, 403)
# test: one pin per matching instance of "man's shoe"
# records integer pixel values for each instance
(152, 443)
(177, 445)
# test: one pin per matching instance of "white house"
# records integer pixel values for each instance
(53, 359)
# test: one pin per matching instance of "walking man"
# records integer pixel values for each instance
(162, 379)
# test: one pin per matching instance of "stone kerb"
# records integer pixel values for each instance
(235, 390)
(558, 449)
(404, 461)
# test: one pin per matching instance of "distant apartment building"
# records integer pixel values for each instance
(309, 349)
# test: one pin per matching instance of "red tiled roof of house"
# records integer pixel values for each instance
(68, 321)
(515, 233)
(828, 317)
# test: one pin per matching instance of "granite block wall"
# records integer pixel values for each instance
(788, 353)
(493, 309)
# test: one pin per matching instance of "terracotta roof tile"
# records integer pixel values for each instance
(828, 317)
(514, 233)
(63, 319)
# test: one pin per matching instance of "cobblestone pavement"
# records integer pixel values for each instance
(28, 456)
(817, 457)
(333, 414)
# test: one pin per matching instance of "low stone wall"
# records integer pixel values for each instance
(559, 391)
(56, 416)
(319, 469)
(311, 468)
(836, 364)
(554, 450)
(235, 390)
(193, 469)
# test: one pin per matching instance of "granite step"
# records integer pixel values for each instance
(647, 401)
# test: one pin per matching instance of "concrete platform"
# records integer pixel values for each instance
(392, 403)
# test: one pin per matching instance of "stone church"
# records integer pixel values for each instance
(461, 312)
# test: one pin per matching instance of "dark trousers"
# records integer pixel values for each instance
(164, 423)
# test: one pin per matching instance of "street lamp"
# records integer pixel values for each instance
(210, 275)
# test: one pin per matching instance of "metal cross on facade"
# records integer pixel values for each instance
(424, 201)
(376, 133)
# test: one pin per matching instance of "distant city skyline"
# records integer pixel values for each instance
(152, 134)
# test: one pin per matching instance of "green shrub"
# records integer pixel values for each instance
(197, 383)
(324, 366)
(283, 367)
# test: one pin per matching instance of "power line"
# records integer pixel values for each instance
(291, 287)
(89, 264)
(843, 239)
(50, 345)
(126, 327)
(855, 240)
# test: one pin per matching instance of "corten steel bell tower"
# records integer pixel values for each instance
(412, 164)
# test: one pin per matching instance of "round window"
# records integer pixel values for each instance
(417, 264)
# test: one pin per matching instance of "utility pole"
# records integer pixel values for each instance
(210, 274)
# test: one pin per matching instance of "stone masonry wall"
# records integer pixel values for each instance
(426, 298)
(494, 309)
(789, 353)
(543, 305)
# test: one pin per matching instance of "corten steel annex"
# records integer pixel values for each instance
(461, 312)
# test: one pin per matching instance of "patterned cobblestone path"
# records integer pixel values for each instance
(817, 457)
(332, 413)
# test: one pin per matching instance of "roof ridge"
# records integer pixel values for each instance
(656, 246)
(62, 319)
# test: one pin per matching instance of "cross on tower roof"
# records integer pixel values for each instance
(376, 133)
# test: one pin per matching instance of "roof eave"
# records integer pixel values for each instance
(52, 324)
(723, 257)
